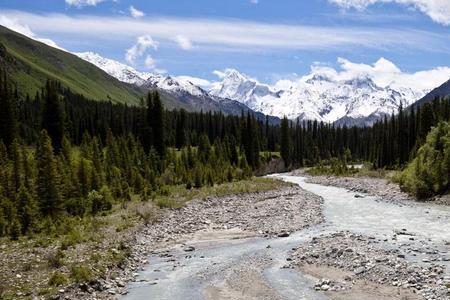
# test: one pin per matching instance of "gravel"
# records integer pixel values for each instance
(372, 186)
(266, 214)
(367, 258)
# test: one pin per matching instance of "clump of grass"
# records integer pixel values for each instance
(147, 213)
(55, 259)
(121, 254)
(182, 195)
(71, 239)
(81, 274)
(336, 167)
(96, 257)
(165, 202)
(57, 279)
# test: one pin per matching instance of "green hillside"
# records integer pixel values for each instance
(30, 63)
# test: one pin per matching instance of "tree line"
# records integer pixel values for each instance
(62, 155)
(390, 143)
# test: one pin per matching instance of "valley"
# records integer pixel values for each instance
(224, 150)
(292, 243)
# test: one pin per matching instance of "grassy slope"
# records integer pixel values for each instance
(30, 63)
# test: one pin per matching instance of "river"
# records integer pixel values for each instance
(207, 273)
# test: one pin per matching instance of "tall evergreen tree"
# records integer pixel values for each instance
(286, 144)
(8, 117)
(53, 115)
(180, 130)
(47, 185)
(158, 124)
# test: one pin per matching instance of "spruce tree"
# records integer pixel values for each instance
(180, 134)
(26, 210)
(8, 118)
(158, 124)
(53, 115)
(286, 145)
(47, 183)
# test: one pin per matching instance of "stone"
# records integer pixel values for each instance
(283, 234)
(189, 249)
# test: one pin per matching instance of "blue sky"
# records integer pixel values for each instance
(266, 39)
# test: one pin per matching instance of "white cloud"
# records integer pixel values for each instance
(437, 10)
(203, 83)
(150, 63)
(136, 13)
(219, 74)
(138, 50)
(254, 1)
(15, 25)
(81, 3)
(384, 73)
(236, 35)
(184, 42)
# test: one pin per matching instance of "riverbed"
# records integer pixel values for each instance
(232, 264)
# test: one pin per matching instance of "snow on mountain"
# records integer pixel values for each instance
(128, 74)
(315, 96)
(116, 69)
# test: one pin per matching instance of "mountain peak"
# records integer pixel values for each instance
(116, 69)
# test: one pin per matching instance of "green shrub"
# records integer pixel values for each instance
(100, 201)
(81, 274)
(428, 174)
(55, 259)
(57, 279)
(71, 239)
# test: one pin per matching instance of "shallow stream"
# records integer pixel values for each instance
(200, 274)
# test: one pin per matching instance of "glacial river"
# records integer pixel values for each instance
(192, 276)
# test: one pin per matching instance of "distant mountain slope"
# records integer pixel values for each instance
(176, 93)
(358, 101)
(30, 63)
(441, 91)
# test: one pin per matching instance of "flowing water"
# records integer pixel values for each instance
(189, 275)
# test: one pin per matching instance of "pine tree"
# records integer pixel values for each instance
(26, 210)
(8, 123)
(180, 134)
(47, 185)
(286, 144)
(158, 124)
(53, 115)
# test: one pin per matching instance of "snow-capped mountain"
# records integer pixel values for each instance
(116, 69)
(357, 100)
(130, 75)
(316, 96)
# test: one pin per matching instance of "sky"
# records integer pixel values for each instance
(269, 40)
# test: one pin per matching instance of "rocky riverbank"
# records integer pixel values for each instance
(380, 187)
(352, 266)
(265, 214)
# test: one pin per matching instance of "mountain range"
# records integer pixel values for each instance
(356, 101)
(317, 96)
(30, 63)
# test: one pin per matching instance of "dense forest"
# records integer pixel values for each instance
(62, 155)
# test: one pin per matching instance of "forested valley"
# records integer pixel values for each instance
(62, 155)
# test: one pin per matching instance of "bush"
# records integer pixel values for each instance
(147, 212)
(100, 201)
(72, 238)
(57, 279)
(428, 174)
(81, 274)
(55, 259)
